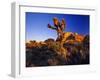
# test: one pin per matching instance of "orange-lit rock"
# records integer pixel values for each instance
(79, 38)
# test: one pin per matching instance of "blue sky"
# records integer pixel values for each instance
(36, 25)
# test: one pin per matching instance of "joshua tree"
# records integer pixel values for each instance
(59, 27)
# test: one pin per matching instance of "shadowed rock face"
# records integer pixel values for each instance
(47, 53)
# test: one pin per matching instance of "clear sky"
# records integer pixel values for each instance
(36, 25)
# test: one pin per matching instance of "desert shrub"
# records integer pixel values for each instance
(52, 62)
(49, 40)
(54, 46)
(74, 50)
(52, 53)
